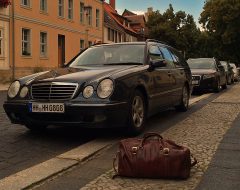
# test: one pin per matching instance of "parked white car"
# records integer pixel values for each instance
(236, 72)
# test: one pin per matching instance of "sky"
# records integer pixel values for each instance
(193, 7)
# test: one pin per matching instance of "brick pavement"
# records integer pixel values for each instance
(202, 132)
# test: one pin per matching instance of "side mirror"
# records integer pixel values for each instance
(157, 63)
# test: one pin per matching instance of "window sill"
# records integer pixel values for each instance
(61, 17)
(26, 7)
(70, 20)
(43, 12)
(26, 56)
(44, 58)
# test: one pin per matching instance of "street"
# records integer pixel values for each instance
(201, 128)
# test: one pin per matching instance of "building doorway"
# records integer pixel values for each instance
(61, 50)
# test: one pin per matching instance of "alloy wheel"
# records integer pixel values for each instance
(137, 111)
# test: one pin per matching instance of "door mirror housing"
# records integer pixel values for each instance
(157, 63)
(221, 67)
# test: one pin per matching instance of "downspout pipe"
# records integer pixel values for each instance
(13, 40)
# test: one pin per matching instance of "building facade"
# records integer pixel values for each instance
(46, 34)
(116, 27)
(4, 37)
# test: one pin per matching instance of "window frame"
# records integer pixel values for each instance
(82, 42)
(62, 8)
(70, 10)
(46, 7)
(2, 42)
(97, 18)
(81, 13)
(29, 43)
(28, 3)
(89, 16)
(43, 44)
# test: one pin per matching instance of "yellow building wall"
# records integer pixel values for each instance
(32, 18)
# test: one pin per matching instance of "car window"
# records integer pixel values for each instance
(168, 57)
(155, 53)
(201, 63)
(176, 59)
(110, 54)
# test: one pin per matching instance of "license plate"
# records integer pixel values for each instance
(195, 82)
(46, 108)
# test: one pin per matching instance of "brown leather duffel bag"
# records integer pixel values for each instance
(153, 157)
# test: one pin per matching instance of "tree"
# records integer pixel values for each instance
(221, 19)
(176, 29)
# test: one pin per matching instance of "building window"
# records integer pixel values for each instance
(89, 16)
(61, 8)
(1, 42)
(26, 3)
(81, 12)
(89, 44)
(81, 45)
(43, 44)
(97, 18)
(26, 46)
(43, 5)
(70, 9)
(119, 37)
(109, 32)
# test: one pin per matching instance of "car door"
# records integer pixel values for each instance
(181, 75)
(161, 78)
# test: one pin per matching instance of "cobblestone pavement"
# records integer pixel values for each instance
(201, 132)
(20, 149)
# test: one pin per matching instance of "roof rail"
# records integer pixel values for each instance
(157, 41)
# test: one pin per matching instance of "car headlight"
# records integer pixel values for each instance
(24, 92)
(208, 76)
(105, 88)
(14, 89)
(88, 91)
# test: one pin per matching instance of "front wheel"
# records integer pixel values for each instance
(137, 113)
(217, 86)
(183, 106)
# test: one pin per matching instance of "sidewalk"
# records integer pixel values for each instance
(4, 87)
(202, 132)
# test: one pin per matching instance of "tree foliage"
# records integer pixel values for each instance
(176, 29)
(221, 19)
(220, 38)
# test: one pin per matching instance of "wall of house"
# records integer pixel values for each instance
(4, 26)
(49, 22)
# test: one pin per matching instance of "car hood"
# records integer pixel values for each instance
(202, 71)
(79, 75)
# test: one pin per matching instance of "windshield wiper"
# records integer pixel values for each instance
(125, 63)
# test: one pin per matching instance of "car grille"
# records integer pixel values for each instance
(53, 91)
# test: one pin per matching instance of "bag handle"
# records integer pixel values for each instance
(114, 165)
(149, 135)
(194, 161)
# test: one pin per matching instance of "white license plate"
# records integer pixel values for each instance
(47, 108)
(195, 82)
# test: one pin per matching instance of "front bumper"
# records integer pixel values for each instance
(205, 84)
(99, 115)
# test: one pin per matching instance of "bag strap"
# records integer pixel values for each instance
(114, 166)
(149, 135)
(194, 161)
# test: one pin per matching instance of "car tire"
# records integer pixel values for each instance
(183, 106)
(137, 113)
(224, 86)
(217, 87)
(36, 127)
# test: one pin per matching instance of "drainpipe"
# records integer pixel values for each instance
(13, 41)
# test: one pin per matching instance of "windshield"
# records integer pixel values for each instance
(111, 55)
(201, 64)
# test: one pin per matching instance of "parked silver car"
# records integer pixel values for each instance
(235, 71)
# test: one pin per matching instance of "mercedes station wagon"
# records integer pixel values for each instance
(108, 85)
